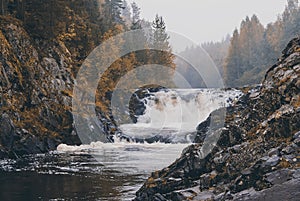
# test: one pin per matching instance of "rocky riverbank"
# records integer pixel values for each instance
(257, 155)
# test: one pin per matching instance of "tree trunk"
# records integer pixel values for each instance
(21, 9)
(3, 7)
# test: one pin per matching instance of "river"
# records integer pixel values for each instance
(113, 171)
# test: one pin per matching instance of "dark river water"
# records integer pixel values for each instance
(90, 172)
(65, 177)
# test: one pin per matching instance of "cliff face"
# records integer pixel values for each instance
(36, 87)
(42, 47)
(258, 146)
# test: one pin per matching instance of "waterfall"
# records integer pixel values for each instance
(172, 115)
(175, 114)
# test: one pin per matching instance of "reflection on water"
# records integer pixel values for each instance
(35, 186)
(64, 177)
(91, 172)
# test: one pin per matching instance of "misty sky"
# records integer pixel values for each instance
(209, 20)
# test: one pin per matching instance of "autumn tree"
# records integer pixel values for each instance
(246, 54)
(232, 69)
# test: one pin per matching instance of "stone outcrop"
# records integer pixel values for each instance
(36, 85)
(257, 154)
(37, 73)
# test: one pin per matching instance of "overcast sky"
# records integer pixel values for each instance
(209, 20)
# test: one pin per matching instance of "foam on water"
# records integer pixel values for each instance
(177, 113)
(129, 157)
(173, 113)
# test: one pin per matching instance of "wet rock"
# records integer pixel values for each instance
(159, 197)
(151, 139)
(285, 191)
(137, 101)
(296, 174)
(7, 129)
(296, 138)
(270, 161)
(202, 130)
(156, 138)
(207, 180)
(279, 177)
(207, 196)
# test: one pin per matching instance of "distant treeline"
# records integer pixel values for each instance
(244, 57)
(254, 49)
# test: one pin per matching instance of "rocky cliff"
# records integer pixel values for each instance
(257, 155)
(42, 46)
(36, 87)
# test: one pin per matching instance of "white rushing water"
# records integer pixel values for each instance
(172, 113)
(129, 158)
(176, 113)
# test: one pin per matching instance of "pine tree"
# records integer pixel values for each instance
(112, 14)
(160, 37)
(126, 13)
(136, 20)
(162, 53)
